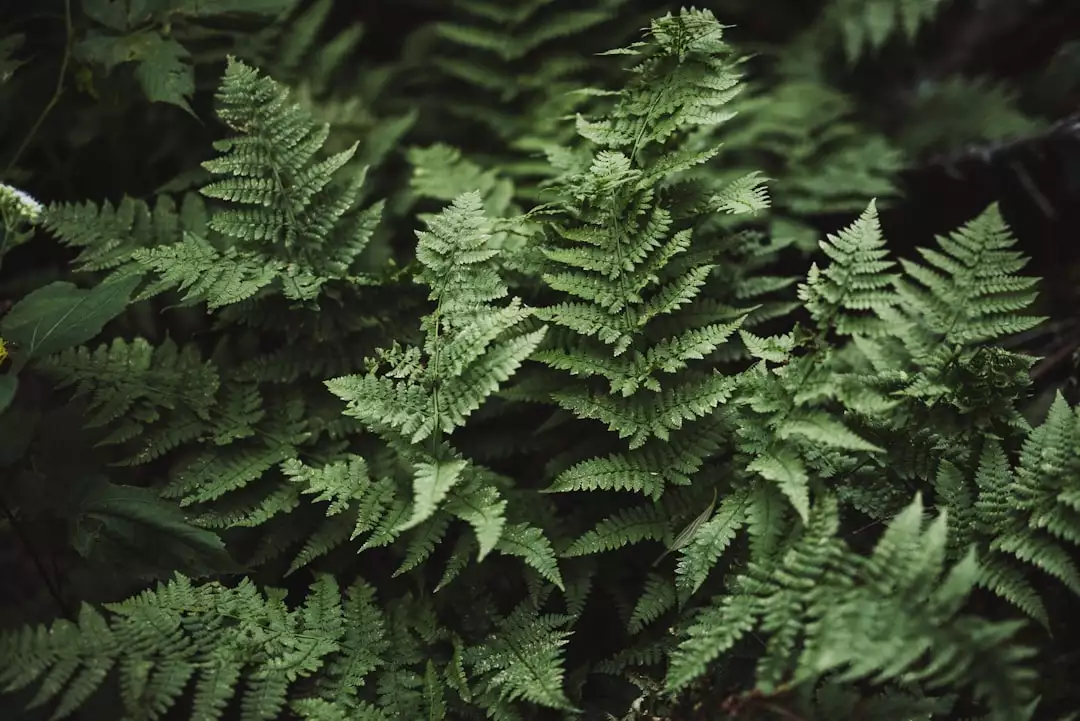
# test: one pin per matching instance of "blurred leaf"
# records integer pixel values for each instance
(8, 65)
(110, 13)
(125, 521)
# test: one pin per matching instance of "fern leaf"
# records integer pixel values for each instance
(523, 659)
(624, 527)
(530, 544)
(709, 542)
(853, 291)
(431, 485)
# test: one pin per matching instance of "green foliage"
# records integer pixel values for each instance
(511, 69)
(525, 655)
(59, 315)
(865, 27)
(285, 223)
(141, 33)
(892, 616)
(215, 636)
(1030, 511)
(132, 384)
(518, 465)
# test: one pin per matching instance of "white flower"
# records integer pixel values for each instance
(23, 205)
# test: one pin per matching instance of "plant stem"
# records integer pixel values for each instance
(57, 92)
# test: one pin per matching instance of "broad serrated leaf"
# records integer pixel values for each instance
(165, 75)
(60, 315)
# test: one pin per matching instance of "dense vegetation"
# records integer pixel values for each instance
(548, 361)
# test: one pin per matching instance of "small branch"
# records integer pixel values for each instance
(57, 92)
(1068, 128)
(31, 551)
(1056, 357)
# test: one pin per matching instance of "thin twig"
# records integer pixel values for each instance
(57, 92)
(986, 153)
(24, 539)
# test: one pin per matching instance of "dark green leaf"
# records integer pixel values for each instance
(132, 521)
(164, 74)
(9, 384)
(60, 315)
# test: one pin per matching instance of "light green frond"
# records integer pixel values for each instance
(746, 194)
(1028, 511)
(229, 641)
(194, 265)
(483, 509)
(655, 416)
(431, 484)
(339, 483)
(524, 657)
(647, 522)
(471, 346)
(968, 291)
(530, 543)
(852, 291)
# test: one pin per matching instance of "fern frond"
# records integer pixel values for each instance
(523, 658)
(210, 473)
(1030, 514)
(229, 640)
(658, 598)
(530, 543)
(136, 383)
(108, 236)
(969, 293)
(285, 215)
(709, 542)
(853, 291)
(865, 27)
(471, 346)
(896, 615)
(647, 522)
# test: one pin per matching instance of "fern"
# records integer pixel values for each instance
(137, 383)
(586, 455)
(853, 293)
(509, 68)
(1029, 514)
(289, 223)
(614, 248)
(888, 617)
(218, 637)
(523, 658)
(866, 27)
(468, 349)
(957, 110)
(107, 237)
